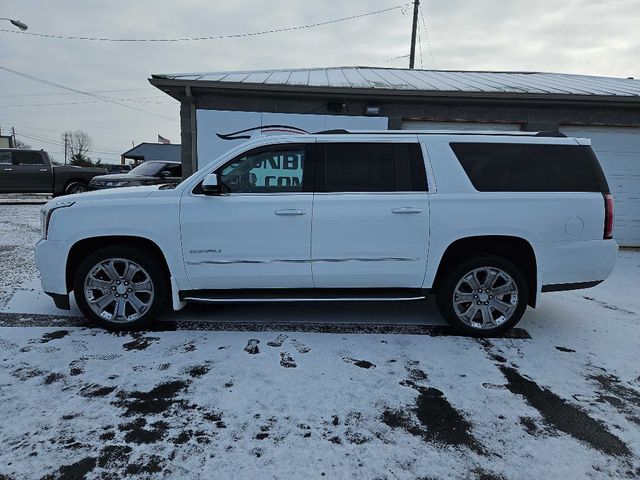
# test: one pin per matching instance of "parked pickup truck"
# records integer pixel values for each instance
(31, 171)
(484, 221)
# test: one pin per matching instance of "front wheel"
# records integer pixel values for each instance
(120, 288)
(483, 296)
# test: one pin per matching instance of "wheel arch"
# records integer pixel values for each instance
(83, 247)
(515, 249)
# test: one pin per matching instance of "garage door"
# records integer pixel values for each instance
(618, 150)
(423, 125)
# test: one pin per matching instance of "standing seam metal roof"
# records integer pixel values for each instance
(423, 80)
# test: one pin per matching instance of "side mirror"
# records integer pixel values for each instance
(210, 185)
(165, 174)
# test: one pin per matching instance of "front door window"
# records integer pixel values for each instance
(270, 170)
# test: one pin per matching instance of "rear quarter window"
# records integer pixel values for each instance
(27, 158)
(517, 167)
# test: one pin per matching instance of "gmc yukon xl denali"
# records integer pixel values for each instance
(484, 221)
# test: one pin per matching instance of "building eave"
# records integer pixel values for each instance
(175, 88)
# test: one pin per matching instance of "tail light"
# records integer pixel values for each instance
(608, 216)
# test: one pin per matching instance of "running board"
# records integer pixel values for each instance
(304, 295)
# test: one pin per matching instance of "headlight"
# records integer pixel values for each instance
(45, 215)
(116, 183)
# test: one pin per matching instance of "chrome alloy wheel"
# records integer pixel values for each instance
(485, 298)
(75, 187)
(118, 290)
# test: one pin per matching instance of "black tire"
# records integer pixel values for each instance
(445, 294)
(75, 186)
(152, 267)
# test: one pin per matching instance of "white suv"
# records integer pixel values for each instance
(485, 221)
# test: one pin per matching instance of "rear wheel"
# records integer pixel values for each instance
(121, 288)
(75, 186)
(483, 296)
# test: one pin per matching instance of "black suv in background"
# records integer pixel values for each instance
(147, 173)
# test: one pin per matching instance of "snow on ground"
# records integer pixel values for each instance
(19, 232)
(317, 390)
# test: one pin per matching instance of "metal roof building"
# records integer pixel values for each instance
(365, 79)
(153, 151)
(605, 109)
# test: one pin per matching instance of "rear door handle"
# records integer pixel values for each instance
(406, 210)
(290, 212)
(44, 170)
(8, 169)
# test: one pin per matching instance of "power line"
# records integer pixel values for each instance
(93, 95)
(95, 148)
(61, 145)
(73, 93)
(210, 37)
(31, 128)
(420, 45)
(390, 59)
(83, 103)
(428, 37)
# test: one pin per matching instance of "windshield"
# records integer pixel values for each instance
(148, 169)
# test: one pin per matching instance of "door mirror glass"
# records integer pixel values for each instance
(210, 185)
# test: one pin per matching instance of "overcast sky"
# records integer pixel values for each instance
(592, 37)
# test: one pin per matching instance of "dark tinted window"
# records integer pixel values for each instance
(370, 167)
(27, 158)
(111, 168)
(6, 158)
(509, 167)
(148, 169)
(174, 170)
(266, 170)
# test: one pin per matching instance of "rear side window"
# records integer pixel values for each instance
(509, 167)
(5, 158)
(27, 158)
(370, 167)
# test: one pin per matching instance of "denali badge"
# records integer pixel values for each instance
(205, 250)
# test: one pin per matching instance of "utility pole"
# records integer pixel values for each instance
(13, 134)
(414, 28)
(65, 148)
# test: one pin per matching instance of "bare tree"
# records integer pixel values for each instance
(78, 144)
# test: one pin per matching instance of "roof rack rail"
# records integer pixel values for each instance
(551, 134)
(343, 131)
(334, 131)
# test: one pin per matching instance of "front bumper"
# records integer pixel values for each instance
(51, 260)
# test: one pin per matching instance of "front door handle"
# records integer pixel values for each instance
(406, 210)
(8, 169)
(44, 170)
(290, 212)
